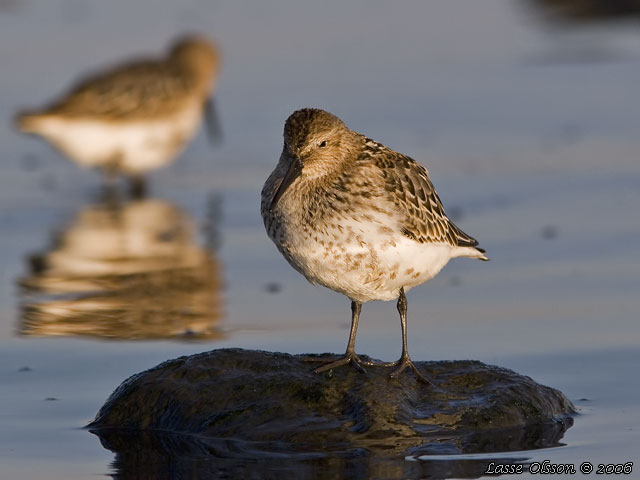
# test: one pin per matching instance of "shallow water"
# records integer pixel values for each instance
(530, 129)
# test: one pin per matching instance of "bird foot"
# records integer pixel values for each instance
(348, 359)
(356, 362)
(403, 363)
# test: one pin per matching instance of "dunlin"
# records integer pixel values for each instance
(359, 218)
(135, 117)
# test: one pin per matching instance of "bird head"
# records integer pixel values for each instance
(199, 56)
(316, 144)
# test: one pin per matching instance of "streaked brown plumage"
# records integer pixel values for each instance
(411, 190)
(357, 217)
(144, 88)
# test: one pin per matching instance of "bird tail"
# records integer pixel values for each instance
(482, 254)
(470, 251)
(468, 246)
(28, 122)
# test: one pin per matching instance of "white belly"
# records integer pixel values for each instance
(366, 261)
(128, 146)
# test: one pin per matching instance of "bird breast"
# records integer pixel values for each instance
(362, 255)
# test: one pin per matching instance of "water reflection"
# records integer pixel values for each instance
(587, 11)
(583, 32)
(124, 270)
(160, 456)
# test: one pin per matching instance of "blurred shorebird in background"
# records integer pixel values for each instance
(359, 218)
(134, 117)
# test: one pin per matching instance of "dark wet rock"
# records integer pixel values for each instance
(226, 405)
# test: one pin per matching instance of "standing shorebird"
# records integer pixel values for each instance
(135, 117)
(359, 218)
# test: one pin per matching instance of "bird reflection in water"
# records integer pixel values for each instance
(128, 270)
(136, 116)
(582, 31)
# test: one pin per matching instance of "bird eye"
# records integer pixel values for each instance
(323, 144)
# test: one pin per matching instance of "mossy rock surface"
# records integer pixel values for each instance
(237, 403)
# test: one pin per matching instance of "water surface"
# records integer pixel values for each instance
(530, 128)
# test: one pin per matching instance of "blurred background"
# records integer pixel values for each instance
(525, 112)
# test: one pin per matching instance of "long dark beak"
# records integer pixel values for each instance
(295, 168)
(212, 122)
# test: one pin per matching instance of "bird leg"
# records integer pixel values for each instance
(350, 357)
(405, 360)
(212, 122)
(109, 180)
(137, 187)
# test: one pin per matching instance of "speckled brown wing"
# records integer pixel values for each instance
(411, 190)
(139, 90)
